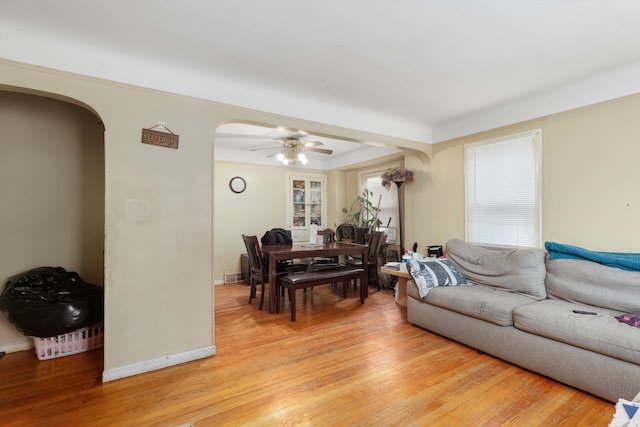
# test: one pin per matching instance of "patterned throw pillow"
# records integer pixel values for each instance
(630, 319)
(434, 272)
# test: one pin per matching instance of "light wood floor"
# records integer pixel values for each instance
(339, 364)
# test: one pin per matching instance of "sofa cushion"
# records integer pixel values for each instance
(600, 333)
(433, 272)
(590, 283)
(479, 301)
(519, 270)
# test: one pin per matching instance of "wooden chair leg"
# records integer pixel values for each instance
(282, 292)
(293, 304)
(261, 296)
(345, 286)
(252, 291)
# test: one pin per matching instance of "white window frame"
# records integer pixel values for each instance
(363, 176)
(524, 230)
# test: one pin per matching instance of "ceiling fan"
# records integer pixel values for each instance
(293, 149)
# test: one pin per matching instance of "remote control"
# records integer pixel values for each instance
(584, 312)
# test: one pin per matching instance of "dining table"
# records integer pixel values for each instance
(275, 253)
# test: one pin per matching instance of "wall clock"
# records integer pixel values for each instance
(237, 184)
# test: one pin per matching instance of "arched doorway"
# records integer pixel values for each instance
(52, 175)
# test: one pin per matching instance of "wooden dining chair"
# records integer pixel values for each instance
(258, 272)
(321, 263)
(280, 236)
(375, 242)
(328, 235)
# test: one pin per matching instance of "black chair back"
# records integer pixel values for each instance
(256, 263)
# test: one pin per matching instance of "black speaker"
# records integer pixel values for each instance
(435, 251)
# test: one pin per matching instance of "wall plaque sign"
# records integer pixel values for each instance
(163, 139)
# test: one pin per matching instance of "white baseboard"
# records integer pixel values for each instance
(159, 363)
(20, 345)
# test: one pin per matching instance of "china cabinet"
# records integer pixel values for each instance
(306, 205)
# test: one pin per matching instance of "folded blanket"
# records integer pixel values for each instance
(624, 261)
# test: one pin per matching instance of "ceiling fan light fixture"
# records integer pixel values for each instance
(292, 150)
(292, 156)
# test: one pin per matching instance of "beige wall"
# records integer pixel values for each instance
(159, 258)
(261, 207)
(51, 191)
(590, 180)
(157, 270)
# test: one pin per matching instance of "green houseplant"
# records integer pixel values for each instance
(362, 216)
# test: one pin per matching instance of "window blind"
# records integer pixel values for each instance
(502, 190)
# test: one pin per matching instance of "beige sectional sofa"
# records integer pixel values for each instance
(518, 305)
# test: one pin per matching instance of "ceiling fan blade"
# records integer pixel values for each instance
(320, 150)
(312, 144)
(265, 148)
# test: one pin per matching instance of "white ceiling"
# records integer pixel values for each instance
(422, 70)
(236, 142)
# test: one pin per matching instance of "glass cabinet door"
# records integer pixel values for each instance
(306, 205)
(299, 218)
(315, 203)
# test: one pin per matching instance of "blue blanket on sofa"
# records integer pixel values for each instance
(625, 261)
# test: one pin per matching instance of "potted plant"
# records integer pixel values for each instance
(396, 176)
(362, 217)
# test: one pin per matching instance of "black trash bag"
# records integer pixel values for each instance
(277, 236)
(48, 301)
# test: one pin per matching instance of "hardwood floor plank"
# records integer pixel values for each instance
(340, 363)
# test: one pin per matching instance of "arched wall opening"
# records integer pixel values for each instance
(52, 191)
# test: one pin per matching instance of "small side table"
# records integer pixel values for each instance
(403, 277)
